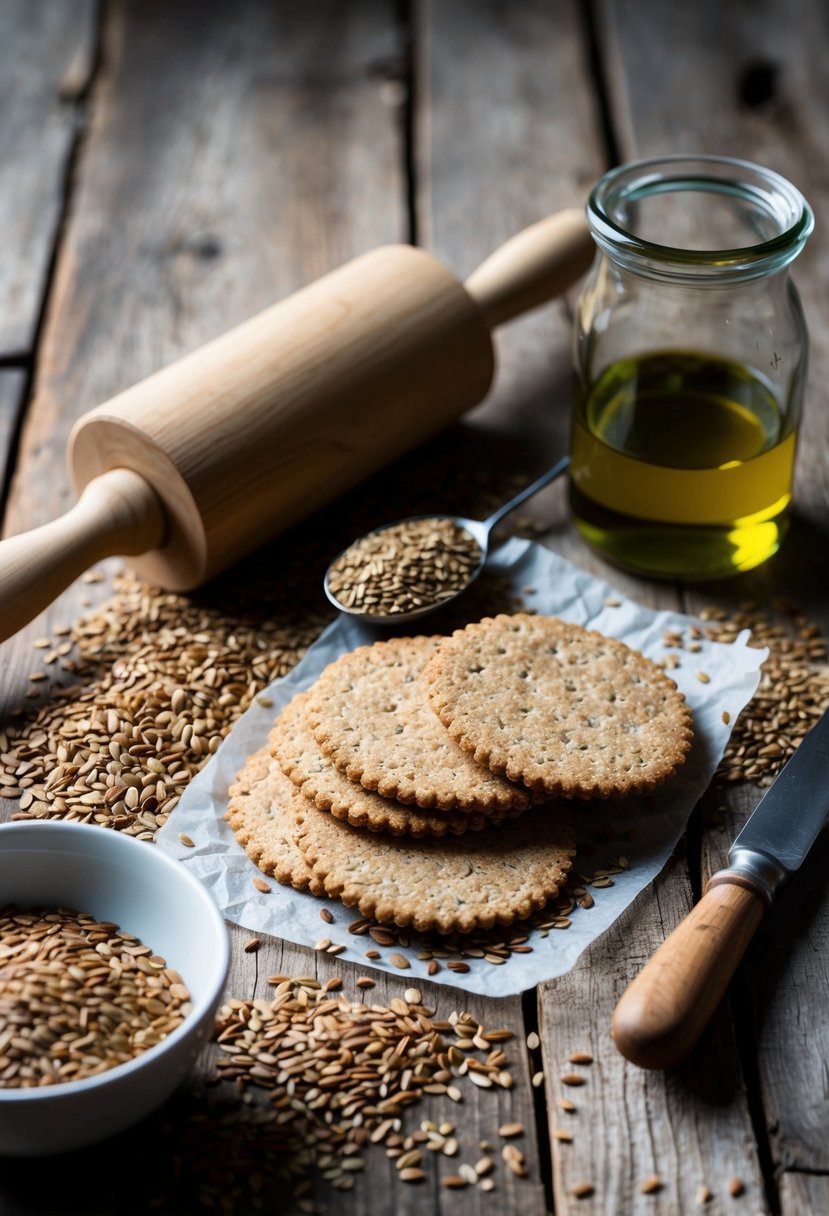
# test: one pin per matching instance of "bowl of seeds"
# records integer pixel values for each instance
(113, 959)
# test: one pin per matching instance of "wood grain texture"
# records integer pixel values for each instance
(804, 1193)
(12, 386)
(46, 57)
(506, 133)
(533, 129)
(228, 164)
(690, 1126)
(787, 973)
(204, 193)
(751, 83)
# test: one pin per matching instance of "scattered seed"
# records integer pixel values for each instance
(252, 945)
(186, 840)
(412, 1174)
(400, 961)
(261, 885)
(563, 1135)
(413, 996)
(703, 1196)
(537, 1079)
(572, 1078)
(736, 1187)
(582, 1190)
(455, 1182)
(566, 1104)
(508, 1130)
(581, 1057)
(365, 982)
(726, 717)
(533, 1041)
(651, 1185)
(327, 916)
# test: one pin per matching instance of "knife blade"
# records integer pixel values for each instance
(667, 1006)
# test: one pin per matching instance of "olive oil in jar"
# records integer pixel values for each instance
(681, 465)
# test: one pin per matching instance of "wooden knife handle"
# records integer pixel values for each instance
(667, 1007)
(534, 266)
(118, 513)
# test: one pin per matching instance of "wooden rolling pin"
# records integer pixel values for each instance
(199, 464)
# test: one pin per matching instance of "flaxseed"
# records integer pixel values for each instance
(411, 565)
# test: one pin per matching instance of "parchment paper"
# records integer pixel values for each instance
(645, 834)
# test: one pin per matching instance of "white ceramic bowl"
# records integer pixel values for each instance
(119, 879)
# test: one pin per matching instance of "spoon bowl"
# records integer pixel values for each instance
(446, 591)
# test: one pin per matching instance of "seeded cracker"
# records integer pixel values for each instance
(565, 710)
(297, 752)
(263, 813)
(370, 713)
(457, 884)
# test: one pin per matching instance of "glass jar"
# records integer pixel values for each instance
(690, 366)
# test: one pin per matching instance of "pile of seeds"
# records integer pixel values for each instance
(411, 565)
(160, 681)
(793, 690)
(341, 1074)
(77, 997)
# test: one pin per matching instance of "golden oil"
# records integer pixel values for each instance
(681, 465)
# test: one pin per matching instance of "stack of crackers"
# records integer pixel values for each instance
(429, 781)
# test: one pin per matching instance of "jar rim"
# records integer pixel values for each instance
(767, 190)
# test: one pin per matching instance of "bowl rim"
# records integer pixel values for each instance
(118, 842)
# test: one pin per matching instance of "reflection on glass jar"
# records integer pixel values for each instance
(690, 362)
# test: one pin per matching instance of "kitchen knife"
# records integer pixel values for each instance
(665, 1009)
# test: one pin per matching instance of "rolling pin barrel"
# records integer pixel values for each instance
(243, 437)
(275, 418)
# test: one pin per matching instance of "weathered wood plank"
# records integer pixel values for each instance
(219, 161)
(787, 971)
(531, 145)
(12, 384)
(750, 83)
(46, 56)
(804, 1193)
(689, 1127)
(299, 107)
(506, 132)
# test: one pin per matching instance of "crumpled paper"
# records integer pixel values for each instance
(642, 830)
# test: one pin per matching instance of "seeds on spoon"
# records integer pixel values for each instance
(418, 563)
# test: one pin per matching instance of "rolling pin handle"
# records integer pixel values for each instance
(118, 513)
(534, 266)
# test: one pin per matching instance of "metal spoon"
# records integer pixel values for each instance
(480, 530)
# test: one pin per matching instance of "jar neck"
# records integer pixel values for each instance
(704, 219)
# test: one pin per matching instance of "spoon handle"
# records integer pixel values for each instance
(544, 480)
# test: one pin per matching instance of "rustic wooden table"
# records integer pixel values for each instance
(168, 169)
